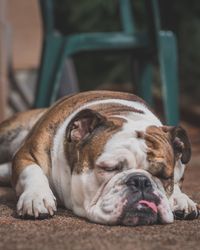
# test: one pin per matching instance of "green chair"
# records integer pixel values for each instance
(146, 48)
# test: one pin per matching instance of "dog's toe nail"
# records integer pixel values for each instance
(191, 216)
(179, 214)
(44, 216)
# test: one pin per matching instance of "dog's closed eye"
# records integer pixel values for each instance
(118, 167)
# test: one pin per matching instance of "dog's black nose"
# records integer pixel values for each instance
(139, 182)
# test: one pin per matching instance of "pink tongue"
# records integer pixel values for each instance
(150, 205)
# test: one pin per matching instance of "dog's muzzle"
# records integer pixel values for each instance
(141, 206)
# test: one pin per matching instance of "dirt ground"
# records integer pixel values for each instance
(65, 231)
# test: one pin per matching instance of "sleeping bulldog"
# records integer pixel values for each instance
(104, 155)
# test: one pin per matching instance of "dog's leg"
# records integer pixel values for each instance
(13, 132)
(35, 196)
(182, 206)
(5, 173)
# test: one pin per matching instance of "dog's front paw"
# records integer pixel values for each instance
(183, 207)
(37, 203)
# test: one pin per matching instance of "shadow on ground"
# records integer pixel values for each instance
(66, 231)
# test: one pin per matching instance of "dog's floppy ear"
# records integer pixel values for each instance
(83, 124)
(180, 141)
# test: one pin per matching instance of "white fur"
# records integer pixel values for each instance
(81, 192)
(180, 201)
(87, 196)
(5, 173)
(35, 194)
(104, 203)
(178, 171)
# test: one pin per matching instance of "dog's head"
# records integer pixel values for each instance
(123, 175)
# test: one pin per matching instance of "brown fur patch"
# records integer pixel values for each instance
(161, 156)
(160, 152)
(111, 109)
(11, 130)
(83, 155)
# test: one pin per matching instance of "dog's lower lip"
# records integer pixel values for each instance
(139, 218)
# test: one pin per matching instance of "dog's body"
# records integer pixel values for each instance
(103, 154)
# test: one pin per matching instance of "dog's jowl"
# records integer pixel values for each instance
(102, 154)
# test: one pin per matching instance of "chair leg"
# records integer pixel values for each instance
(144, 79)
(50, 52)
(57, 73)
(169, 75)
(69, 81)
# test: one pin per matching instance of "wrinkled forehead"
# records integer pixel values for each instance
(132, 132)
(159, 134)
(125, 145)
(140, 144)
(159, 143)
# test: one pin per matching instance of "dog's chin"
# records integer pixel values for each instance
(139, 213)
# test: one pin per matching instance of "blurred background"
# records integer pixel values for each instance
(21, 38)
